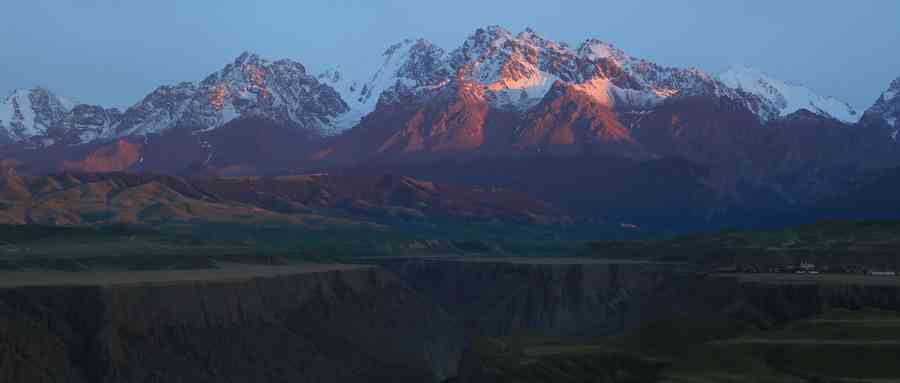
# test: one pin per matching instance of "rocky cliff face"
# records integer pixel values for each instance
(766, 303)
(547, 298)
(363, 324)
(885, 114)
(357, 325)
(594, 298)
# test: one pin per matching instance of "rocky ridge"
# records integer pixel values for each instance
(885, 114)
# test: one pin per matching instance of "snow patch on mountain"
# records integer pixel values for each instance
(17, 116)
(280, 91)
(38, 118)
(888, 105)
(598, 89)
(885, 113)
(787, 98)
(408, 67)
(90, 122)
(519, 70)
(516, 70)
(35, 115)
(636, 74)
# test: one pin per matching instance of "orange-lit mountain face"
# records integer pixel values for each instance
(576, 119)
(497, 97)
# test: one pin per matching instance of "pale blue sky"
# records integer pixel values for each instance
(113, 52)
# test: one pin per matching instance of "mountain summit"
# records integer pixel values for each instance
(280, 91)
(497, 94)
(885, 113)
(36, 117)
(406, 66)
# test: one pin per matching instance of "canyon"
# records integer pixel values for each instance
(397, 319)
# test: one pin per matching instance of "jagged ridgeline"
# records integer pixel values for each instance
(739, 140)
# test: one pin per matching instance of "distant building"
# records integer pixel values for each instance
(807, 268)
(883, 273)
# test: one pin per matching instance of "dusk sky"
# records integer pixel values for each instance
(113, 52)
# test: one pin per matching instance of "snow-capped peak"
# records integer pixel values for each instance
(493, 55)
(280, 91)
(411, 63)
(407, 66)
(518, 70)
(641, 83)
(886, 111)
(481, 42)
(33, 114)
(39, 118)
(248, 57)
(786, 98)
(892, 92)
(515, 70)
(595, 49)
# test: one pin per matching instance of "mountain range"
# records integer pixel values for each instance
(590, 126)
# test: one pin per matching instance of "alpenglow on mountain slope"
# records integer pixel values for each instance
(500, 92)
(506, 70)
(497, 93)
(519, 70)
(517, 111)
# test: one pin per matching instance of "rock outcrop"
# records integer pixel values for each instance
(571, 297)
(767, 303)
(554, 298)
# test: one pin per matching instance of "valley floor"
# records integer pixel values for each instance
(817, 279)
(223, 273)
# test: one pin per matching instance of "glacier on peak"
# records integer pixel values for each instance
(33, 115)
(39, 118)
(518, 70)
(506, 69)
(406, 67)
(786, 98)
